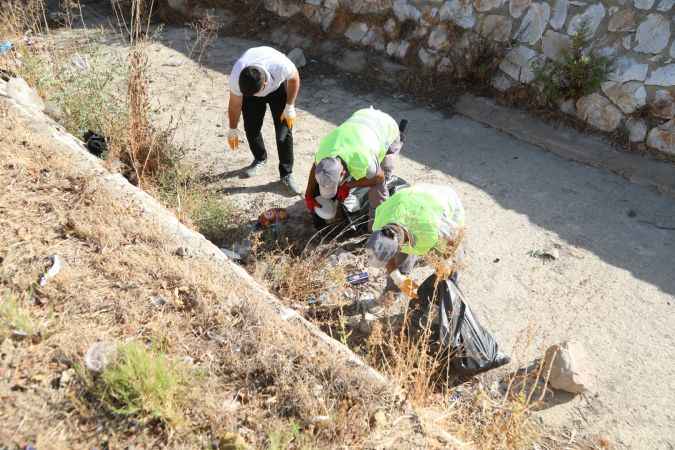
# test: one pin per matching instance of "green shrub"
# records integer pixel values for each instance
(577, 73)
(143, 383)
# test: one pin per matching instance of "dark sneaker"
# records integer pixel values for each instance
(291, 185)
(254, 168)
(501, 360)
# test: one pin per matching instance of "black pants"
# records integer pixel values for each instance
(253, 110)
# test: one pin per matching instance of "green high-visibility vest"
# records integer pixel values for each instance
(426, 211)
(366, 134)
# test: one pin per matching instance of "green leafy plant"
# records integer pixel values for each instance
(576, 73)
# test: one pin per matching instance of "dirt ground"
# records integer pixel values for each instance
(612, 287)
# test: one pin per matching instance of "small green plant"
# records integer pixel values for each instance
(143, 383)
(208, 211)
(281, 440)
(14, 317)
(576, 73)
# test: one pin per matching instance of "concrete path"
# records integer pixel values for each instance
(613, 287)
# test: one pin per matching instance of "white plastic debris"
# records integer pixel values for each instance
(79, 61)
(99, 356)
(57, 265)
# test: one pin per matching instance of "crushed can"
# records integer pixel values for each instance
(272, 216)
(357, 278)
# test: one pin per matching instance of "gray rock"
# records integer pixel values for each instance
(353, 61)
(327, 19)
(569, 368)
(403, 11)
(534, 23)
(627, 69)
(518, 7)
(627, 96)
(592, 16)
(637, 129)
(502, 83)
(496, 27)
(518, 64)
(460, 12)
(356, 32)
(288, 8)
(644, 4)
(554, 44)
(665, 5)
(559, 15)
(298, 57)
(331, 4)
(663, 76)
(487, 5)
(653, 34)
(438, 38)
(391, 47)
(672, 50)
(663, 137)
(622, 20)
(445, 65)
(569, 107)
(390, 28)
(375, 39)
(403, 49)
(663, 104)
(19, 91)
(599, 112)
(427, 58)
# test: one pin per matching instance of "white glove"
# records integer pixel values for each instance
(288, 115)
(233, 138)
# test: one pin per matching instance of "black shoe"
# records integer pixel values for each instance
(254, 168)
(501, 360)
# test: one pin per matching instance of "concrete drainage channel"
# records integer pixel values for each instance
(19, 100)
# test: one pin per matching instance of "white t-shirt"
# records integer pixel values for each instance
(277, 67)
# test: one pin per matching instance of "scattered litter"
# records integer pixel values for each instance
(320, 421)
(234, 256)
(182, 252)
(95, 143)
(99, 356)
(545, 255)
(215, 337)
(5, 47)
(272, 216)
(321, 300)
(79, 61)
(358, 278)
(158, 301)
(243, 248)
(57, 265)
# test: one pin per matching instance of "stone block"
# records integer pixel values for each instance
(534, 23)
(599, 112)
(662, 138)
(627, 96)
(653, 34)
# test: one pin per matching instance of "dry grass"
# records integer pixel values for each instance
(257, 378)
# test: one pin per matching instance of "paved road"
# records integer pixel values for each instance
(612, 288)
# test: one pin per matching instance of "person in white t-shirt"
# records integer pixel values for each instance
(264, 76)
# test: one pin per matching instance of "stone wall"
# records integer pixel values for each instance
(441, 37)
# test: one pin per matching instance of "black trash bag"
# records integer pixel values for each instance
(471, 349)
(95, 143)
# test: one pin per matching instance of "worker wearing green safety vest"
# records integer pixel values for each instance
(418, 221)
(358, 153)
